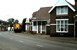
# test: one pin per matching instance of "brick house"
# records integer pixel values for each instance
(40, 20)
(62, 19)
(75, 20)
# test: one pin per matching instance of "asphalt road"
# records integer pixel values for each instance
(12, 41)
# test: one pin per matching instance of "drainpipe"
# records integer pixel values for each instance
(74, 27)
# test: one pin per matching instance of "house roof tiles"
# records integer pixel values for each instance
(42, 14)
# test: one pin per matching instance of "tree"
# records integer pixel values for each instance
(11, 22)
(16, 21)
(23, 24)
(11, 19)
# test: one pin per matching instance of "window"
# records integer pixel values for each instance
(61, 10)
(44, 22)
(34, 23)
(62, 25)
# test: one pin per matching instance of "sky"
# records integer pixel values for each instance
(19, 9)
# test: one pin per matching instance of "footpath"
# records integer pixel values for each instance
(47, 37)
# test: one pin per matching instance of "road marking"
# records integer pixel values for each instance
(39, 45)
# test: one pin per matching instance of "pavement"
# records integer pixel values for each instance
(47, 37)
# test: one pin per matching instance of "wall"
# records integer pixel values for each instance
(53, 18)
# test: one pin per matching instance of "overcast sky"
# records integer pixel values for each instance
(19, 9)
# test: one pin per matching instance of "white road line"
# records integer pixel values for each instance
(39, 45)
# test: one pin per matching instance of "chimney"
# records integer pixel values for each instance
(76, 3)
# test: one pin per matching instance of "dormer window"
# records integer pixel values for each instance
(62, 11)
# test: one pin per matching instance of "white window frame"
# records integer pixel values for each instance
(57, 29)
(62, 11)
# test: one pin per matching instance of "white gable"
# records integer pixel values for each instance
(61, 3)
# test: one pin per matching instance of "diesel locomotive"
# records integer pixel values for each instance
(17, 27)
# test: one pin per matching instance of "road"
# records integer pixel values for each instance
(12, 41)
